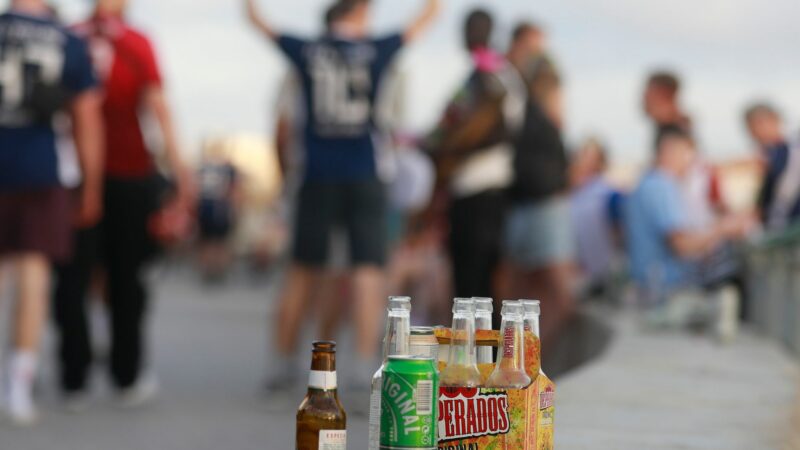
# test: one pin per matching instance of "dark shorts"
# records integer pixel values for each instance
(36, 221)
(359, 208)
(214, 219)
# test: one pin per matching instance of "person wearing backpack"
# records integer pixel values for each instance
(472, 149)
(539, 244)
(46, 77)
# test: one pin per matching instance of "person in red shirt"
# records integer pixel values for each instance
(132, 85)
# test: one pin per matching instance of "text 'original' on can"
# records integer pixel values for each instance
(408, 404)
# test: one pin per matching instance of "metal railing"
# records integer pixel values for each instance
(773, 280)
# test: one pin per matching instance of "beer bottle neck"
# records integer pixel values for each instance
(323, 371)
(462, 342)
(512, 353)
(532, 324)
(484, 307)
(398, 331)
(483, 321)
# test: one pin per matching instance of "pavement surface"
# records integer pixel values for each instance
(209, 351)
(680, 391)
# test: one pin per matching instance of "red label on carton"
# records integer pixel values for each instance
(468, 413)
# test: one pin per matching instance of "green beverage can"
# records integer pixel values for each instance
(409, 398)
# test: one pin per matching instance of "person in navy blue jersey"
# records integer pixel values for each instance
(45, 76)
(779, 199)
(340, 75)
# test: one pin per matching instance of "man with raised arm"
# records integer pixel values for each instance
(340, 74)
(45, 72)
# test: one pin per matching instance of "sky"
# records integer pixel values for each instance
(223, 78)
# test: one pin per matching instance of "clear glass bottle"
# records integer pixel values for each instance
(533, 310)
(462, 367)
(510, 373)
(484, 307)
(395, 342)
(321, 420)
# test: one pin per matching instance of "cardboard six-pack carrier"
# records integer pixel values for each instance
(497, 419)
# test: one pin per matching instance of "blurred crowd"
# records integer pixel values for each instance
(491, 202)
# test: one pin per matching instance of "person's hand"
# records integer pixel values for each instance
(90, 208)
(429, 13)
(254, 16)
(252, 12)
(250, 9)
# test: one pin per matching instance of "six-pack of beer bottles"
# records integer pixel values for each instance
(405, 388)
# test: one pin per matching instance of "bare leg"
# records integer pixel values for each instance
(214, 258)
(368, 291)
(299, 284)
(333, 303)
(34, 285)
(399, 269)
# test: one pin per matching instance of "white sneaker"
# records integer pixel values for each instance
(142, 393)
(19, 396)
(21, 408)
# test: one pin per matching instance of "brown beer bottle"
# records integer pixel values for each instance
(321, 420)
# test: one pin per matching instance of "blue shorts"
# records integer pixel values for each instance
(539, 234)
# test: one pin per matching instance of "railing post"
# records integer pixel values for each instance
(793, 302)
(757, 267)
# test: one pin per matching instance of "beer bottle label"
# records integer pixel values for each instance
(323, 380)
(332, 440)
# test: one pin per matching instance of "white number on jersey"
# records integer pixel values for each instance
(44, 60)
(341, 93)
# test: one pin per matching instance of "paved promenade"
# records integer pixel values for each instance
(688, 393)
(675, 391)
(209, 356)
